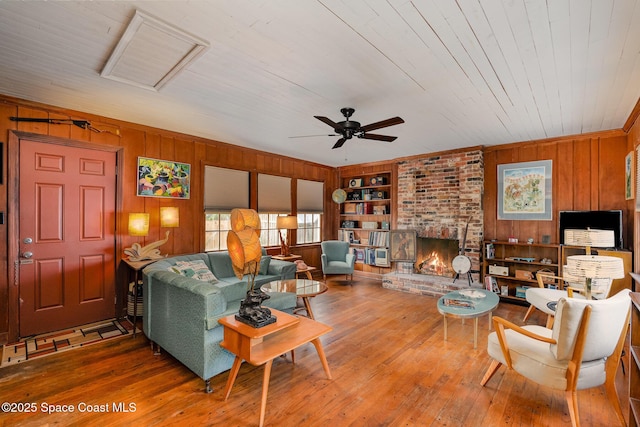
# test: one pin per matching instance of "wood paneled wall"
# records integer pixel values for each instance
(588, 174)
(138, 140)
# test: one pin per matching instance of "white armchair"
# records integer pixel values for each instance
(581, 351)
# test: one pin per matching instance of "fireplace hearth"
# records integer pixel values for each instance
(434, 256)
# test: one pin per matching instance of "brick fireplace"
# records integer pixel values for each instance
(439, 197)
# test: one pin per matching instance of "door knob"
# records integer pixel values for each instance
(27, 254)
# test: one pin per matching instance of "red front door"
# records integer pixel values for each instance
(67, 245)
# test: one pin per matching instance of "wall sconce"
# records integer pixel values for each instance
(289, 222)
(138, 224)
(169, 217)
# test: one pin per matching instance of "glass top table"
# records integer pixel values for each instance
(303, 288)
(468, 304)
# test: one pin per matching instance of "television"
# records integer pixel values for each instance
(599, 220)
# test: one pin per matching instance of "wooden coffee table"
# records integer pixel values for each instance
(303, 288)
(259, 346)
(468, 304)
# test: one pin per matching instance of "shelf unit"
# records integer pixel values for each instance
(634, 362)
(365, 218)
(522, 261)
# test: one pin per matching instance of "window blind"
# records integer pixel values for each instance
(225, 189)
(310, 196)
(274, 194)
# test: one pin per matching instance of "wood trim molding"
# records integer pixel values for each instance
(632, 117)
(581, 136)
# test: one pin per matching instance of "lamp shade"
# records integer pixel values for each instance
(243, 242)
(245, 218)
(169, 217)
(138, 224)
(590, 237)
(580, 267)
(289, 222)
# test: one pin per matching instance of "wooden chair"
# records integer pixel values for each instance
(581, 351)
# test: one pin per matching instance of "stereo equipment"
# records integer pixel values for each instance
(355, 182)
(379, 195)
(498, 270)
(354, 195)
(349, 224)
(377, 180)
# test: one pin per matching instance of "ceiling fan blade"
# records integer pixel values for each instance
(378, 137)
(328, 121)
(340, 142)
(309, 136)
(382, 124)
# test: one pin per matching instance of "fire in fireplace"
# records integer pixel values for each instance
(434, 256)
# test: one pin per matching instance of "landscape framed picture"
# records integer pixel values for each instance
(163, 178)
(524, 191)
(402, 245)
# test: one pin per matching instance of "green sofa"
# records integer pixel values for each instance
(181, 313)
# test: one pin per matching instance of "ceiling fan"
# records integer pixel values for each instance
(350, 128)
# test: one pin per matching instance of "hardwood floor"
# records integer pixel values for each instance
(390, 367)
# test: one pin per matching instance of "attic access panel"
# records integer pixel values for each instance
(151, 52)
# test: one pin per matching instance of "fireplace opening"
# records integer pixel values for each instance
(434, 256)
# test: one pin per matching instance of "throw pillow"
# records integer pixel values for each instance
(195, 269)
(264, 265)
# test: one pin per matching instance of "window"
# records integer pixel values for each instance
(224, 189)
(216, 228)
(269, 233)
(310, 209)
(309, 228)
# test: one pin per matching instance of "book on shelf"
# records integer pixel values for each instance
(491, 284)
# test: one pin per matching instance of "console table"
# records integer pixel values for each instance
(259, 346)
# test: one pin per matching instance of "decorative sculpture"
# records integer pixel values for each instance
(140, 253)
(243, 243)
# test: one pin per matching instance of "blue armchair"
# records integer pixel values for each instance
(336, 258)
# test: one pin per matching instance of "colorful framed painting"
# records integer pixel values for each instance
(524, 191)
(163, 178)
(402, 245)
(628, 176)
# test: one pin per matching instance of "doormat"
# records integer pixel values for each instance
(56, 342)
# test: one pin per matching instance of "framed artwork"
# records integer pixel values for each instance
(163, 178)
(402, 245)
(524, 191)
(628, 176)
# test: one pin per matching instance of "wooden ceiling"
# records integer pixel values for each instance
(459, 72)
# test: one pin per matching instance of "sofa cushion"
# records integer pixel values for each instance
(264, 265)
(196, 269)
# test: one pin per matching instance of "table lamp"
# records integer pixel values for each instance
(288, 222)
(139, 226)
(590, 238)
(586, 268)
